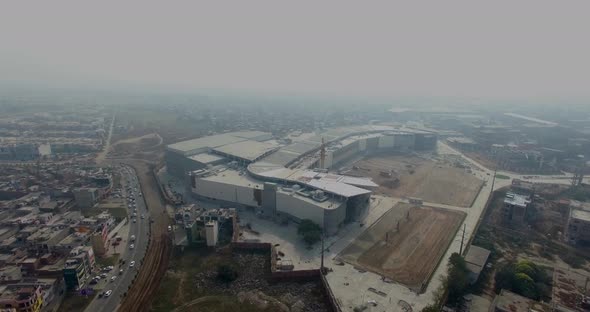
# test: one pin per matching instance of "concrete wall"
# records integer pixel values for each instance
(178, 164)
(385, 141)
(227, 192)
(333, 218)
(298, 208)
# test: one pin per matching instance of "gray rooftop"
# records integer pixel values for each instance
(249, 150)
(477, 255)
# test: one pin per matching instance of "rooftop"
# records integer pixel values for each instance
(248, 150)
(516, 200)
(477, 255)
(582, 215)
(206, 158)
(218, 140)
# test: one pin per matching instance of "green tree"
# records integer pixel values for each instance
(309, 231)
(457, 280)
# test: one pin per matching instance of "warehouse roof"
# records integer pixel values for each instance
(248, 150)
(581, 214)
(205, 142)
(477, 256)
(213, 141)
(206, 158)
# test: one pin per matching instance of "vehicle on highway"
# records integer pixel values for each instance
(134, 220)
(132, 238)
(169, 228)
(113, 278)
(132, 264)
(135, 214)
(108, 293)
(131, 246)
(143, 216)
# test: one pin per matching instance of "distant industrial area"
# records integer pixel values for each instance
(142, 206)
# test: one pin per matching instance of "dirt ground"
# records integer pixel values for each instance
(417, 177)
(407, 254)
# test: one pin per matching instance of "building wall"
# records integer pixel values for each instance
(228, 192)
(269, 199)
(403, 141)
(578, 231)
(345, 153)
(333, 218)
(178, 164)
(385, 141)
(298, 208)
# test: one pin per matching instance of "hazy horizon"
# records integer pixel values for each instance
(530, 49)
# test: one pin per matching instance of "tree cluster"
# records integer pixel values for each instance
(309, 231)
(524, 278)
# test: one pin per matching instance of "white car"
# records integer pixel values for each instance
(132, 264)
(131, 246)
(113, 278)
(143, 216)
(134, 220)
(108, 293)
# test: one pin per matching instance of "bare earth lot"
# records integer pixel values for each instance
(416, 177)
(410, 255)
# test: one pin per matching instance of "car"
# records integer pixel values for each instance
(108, 293)
(131, 246)
(103, 275)
(120, 271)
(131, 264)
(135, 214)
(113, 278)
(134, 220)
(143, 216)
(132, 238)
(169, 229)
(93, 282)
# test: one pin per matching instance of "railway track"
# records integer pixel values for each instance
(155, 262)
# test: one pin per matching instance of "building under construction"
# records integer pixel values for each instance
(290, 182)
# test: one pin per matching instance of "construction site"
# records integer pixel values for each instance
(407, 176)
(404, 245)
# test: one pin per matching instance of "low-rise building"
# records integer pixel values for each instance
(21, 298)
(476, 260)
(578, 223)
(515, 208)
(86, 197)
(508, 301)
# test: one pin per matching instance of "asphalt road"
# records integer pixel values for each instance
(141, 232)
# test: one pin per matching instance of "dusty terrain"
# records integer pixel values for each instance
(407, 254)
(402, 176)
(191, 284)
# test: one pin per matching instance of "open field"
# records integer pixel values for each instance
(416, 177)
(407, 254)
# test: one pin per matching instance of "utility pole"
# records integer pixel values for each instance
(493, 180)
(322, 263)
(462, 240)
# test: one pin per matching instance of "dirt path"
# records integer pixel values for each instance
(101, 156)
(218, 299)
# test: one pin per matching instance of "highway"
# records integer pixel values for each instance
(141, 230)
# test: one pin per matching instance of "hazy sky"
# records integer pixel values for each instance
(474, 48)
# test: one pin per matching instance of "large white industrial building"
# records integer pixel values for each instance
(280, 181)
